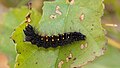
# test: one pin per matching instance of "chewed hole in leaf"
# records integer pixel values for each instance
(69, 57)
(60, 64)
(82, 16)
(53, 16)
(71, 2)
(58, 10)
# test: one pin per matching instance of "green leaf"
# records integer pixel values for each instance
(59, 17)
(11, 20)
(6, 45)
(109, 60)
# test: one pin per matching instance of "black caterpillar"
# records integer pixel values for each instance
(51, 41)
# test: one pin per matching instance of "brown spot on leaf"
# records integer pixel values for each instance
(36, 63)
(52, 16)
(103, 48)
(82, 46)
(92, 24)
(102, 51)
(28, 19)
(58, 10)
(60, 64)
(71, 2)
(94, 52)
(18, 51)
(69, 57)
(86, 45)
(82, 16)
(74, 59)
(14, 29)
(91, 28)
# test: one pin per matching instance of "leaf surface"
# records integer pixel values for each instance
(58, 17)
(11, 20)
(109, 60)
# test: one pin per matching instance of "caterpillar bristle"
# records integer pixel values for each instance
(51, 41)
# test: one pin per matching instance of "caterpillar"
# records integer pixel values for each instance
(51, 41)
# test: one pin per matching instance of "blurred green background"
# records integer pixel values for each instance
(110, 22)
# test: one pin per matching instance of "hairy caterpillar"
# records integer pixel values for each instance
(51, 41)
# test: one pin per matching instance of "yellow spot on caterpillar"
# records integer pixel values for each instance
(46, 36)
(68, 37)
(41, 38)
(52, 39)
(47, 40)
